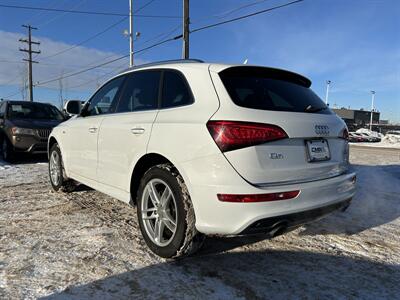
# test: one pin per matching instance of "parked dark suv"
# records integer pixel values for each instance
(26, 126)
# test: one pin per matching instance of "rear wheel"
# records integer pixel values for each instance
(7, 150)
(165, 213)
(57, 176)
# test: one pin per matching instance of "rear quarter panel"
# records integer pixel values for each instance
(181, 133)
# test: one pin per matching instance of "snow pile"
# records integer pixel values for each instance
(369, 132)
(387, 141)
(391, 139)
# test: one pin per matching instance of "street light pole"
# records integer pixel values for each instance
(131, 33)
(328, 83)
(372, 110)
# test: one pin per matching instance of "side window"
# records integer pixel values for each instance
(104, 101)
(175, 90)
(140, 92)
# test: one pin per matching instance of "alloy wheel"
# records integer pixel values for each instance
(55, 170)
(159, 212)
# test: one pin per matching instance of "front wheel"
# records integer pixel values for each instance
(165, 213)
(57, 176)
(7, 150)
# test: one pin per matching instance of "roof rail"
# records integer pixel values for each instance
(164, 62)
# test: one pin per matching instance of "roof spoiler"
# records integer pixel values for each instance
(267, 72)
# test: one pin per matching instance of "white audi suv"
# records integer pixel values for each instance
(206, 149)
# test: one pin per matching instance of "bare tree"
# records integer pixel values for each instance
(24, 82)
(60, 92)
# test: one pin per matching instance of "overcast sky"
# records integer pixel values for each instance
(353, 43)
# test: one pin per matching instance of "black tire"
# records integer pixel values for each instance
(186, 239)
(63, 184)
(7, 150)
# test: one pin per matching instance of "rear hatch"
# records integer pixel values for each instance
(274, 129)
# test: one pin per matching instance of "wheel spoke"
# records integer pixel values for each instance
(153, 193)
(170, 224)
(159, 230)
(151, 217)
(169, 218)
(149, 210)
(165, 197)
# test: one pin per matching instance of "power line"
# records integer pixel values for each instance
(81, 71)
(106, 63)
(101, 13)
(46, 64)
(99, 33)
(229, 12)
(219, 16)
(51, 4)
(170, 39)
(47, 22)
(86, 40)
(11, 95)
(161, 35)
(245, 16)
(11, 81)
(114, 70)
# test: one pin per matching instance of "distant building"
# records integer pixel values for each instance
(356, 119)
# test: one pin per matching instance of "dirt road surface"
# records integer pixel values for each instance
(85, 245)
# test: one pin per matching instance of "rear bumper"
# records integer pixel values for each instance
(210, 176)
(281, 223)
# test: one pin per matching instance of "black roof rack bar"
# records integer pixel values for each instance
(164, 62)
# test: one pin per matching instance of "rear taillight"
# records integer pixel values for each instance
(240, 198)
(231, 135)
(345, 134)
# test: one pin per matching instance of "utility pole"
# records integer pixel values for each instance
(372, 109)
(131, 62)
(186, 21)
(29, 60)
(328, 83)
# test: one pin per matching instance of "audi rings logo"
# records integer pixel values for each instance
(322, 129)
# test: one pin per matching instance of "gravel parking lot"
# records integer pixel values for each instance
(87, 245)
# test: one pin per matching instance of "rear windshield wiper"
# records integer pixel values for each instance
(313, 109)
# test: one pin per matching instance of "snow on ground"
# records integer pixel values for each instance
(86, 245)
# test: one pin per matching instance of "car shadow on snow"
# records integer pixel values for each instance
(268, 274)
(376, 202)
(22, 159)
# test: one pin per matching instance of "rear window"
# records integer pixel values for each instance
(271, 89)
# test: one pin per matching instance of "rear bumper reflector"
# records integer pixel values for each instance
(250, 198)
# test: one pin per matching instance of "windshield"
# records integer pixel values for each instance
(34, 111)
(258, 88)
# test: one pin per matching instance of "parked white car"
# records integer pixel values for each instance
(206, 149)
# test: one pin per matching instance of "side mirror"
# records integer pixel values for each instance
(73, 107)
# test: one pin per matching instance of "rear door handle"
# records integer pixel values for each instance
(92, 129)
(137, 130)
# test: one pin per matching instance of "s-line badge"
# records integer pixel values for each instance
(276, 156)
